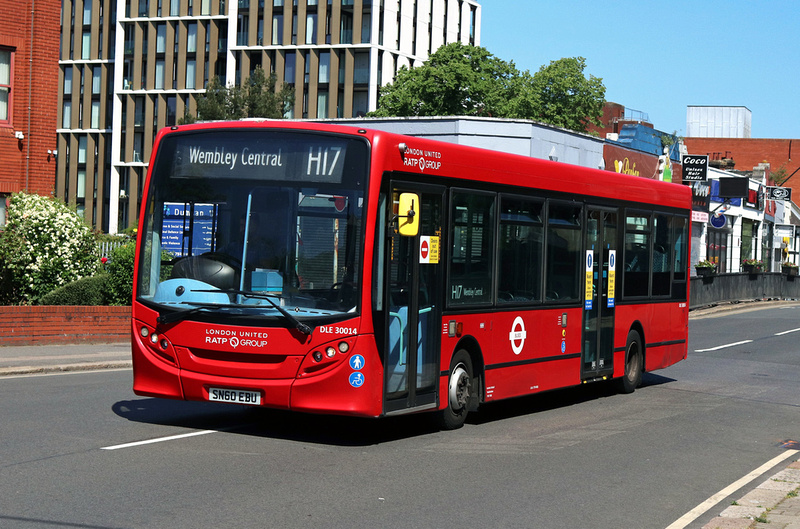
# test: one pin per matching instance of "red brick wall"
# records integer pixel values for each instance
(46, 325)
(26, 164)
(749, 152)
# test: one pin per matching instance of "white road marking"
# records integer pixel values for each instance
(158, 440)
(722, 346)
(704, 507)
(786, 332)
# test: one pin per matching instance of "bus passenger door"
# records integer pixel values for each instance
(599, 283)
(411, 357)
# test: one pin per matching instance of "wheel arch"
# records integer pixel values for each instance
(473, 348)
(639, 328)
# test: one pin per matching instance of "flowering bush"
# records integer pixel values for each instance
(705, 264)
(45, 245)
(789, 264)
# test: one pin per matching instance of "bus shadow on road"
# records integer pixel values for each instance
(347, 431)
(559, 398)
(277, 424)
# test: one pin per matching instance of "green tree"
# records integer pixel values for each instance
(566, 97)
(456, 80)
(262, 99)
(45, 245)
(465, 80)
(258, 97)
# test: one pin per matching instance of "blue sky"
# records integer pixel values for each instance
(659, 57)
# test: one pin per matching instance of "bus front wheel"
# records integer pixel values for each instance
(459, 390)
(634, 363)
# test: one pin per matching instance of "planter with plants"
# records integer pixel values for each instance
(753, 266)
(789, 269)
(705, 268)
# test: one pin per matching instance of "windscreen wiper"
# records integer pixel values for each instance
(179, 315)
(299, 325)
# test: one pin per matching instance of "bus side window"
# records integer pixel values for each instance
(680, 237)
(563, 258)
(520, 259)
(662, 261)
(637, 255)
(472, 236)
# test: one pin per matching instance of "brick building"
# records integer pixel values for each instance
(29, 71)
(746, 153)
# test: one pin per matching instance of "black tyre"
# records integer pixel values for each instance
(459, 391)
(634, 363)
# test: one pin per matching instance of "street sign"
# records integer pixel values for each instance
(695, 167)
(779, 193)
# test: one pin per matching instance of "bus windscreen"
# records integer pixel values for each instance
(252, 223)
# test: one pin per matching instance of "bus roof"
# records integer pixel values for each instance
(423, 156)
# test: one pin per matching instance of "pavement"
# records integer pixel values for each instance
(32, 359)
(773, 504)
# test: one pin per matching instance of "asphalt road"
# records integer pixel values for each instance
(79, 450)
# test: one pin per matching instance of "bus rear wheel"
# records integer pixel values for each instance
(459, 391)
(634, 363)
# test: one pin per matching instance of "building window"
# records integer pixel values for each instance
(277, 29)
(66, 120)
(96, 80)
(171, 110)
(161, 38)
(86, 45)
(191, 40)
(346, 27)
(80, 191)
(325, 67)
(5, 85)
(159, 84)
(87, 13)
(191, 71)
(288, 72)
(366, 27)
(361, 70)
(82, 149)
(68, 80)
(95, 114)
(322, 104)
(311, 28)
